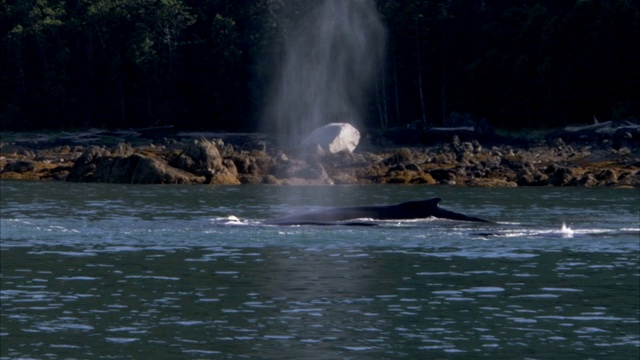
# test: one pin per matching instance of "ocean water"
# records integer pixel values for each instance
(114, 271)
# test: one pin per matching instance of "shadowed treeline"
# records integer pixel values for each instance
(209, 63)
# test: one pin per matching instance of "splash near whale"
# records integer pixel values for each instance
(408, 210)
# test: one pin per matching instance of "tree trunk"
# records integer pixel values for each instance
(396, 91)
(419, 60)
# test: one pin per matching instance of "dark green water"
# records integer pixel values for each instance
(112, 271)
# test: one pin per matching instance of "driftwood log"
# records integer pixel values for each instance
(608, 127)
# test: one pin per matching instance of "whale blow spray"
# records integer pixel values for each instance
(327, 67)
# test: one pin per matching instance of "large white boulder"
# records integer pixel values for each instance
(334, 138)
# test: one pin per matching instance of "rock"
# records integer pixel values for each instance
(230, 166)
(333, 138)
(456, 162)
(314, 150)
(123, 150)
(400, 156)
(250, 179)
(425, 179)
(413, 167)
(262, 162)
(342, 159)
(244, 164)
(84, 166)
(99, 165)
(561, 175)
(224, 177)
(299, 172)
(314, 171)
(465, 157)
(443, 175)
(370, 173)
(588, 180)
(139, 169)
(444, 158)
(629, 179)
(184, 162)
(345, 179)
(397, 177)
(271, 180)
(116, 169)
(513, 162)
(153, 171)
(491, 182)
(27, 153)
(20, 167)
(629, 137)
(204, 154)
(607, 177)
(529, 177)
(285, 168)
(202, 158)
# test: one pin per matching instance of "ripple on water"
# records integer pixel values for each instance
(164, 278)
(484, 289)
(121, 340)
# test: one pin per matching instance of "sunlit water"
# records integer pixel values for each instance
(113, 271)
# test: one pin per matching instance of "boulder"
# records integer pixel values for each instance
(202, 158)
(200, 154)
(85, 165)
(531, 177)
(443, 175)
(333, 138)
(286, 168)
(607, 177)
(561, 175)
(400, 156)
(224, 177)
(344, 178)
(122, 166)
(153, 171)
(20, 167)
(139, 169)
(588, 180)
(629, 179)
(245, 164)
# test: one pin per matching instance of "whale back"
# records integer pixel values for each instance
(408, 210)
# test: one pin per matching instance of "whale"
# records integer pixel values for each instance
(420, 209)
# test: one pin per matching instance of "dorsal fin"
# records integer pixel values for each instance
(433, 201)
(421, 203)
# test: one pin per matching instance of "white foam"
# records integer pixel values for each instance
(231, 220)
(566, 231)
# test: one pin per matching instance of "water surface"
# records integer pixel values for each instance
(114, 271)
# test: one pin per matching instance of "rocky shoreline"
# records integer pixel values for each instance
(584, 156)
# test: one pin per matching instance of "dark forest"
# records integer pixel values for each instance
(207, 64)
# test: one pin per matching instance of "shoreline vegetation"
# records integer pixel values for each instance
(438, 76)
(605, 154)
(214, 63)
